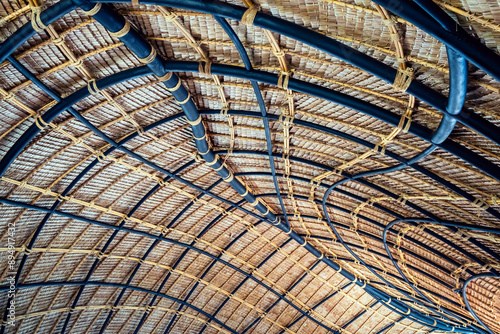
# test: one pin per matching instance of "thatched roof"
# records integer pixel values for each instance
(282, 166)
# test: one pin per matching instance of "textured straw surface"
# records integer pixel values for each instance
(245, 273)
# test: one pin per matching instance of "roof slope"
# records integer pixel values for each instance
(282, 166)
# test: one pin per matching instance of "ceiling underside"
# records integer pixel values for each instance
(236, 167)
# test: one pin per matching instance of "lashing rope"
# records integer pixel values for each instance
(149, 58)
(176, 87)
(92, 87)
(36, 21)
(165, 77)
(403, 79)
(249, 15)
(283, 79)
(205, 67)
(122, 32)
(230, 121)
(186, 100)
(40, 123)
(94, 10)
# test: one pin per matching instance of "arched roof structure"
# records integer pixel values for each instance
(206, 166)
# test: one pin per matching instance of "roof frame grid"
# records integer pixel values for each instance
(105, 17)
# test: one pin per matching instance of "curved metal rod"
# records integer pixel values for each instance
(116, 285)
(262, 106)
(323, 43)
(413, 286)
(467, 304)
(423, 273)
(347, 246)
(375, 271)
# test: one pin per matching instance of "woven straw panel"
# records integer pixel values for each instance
(229, 289)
